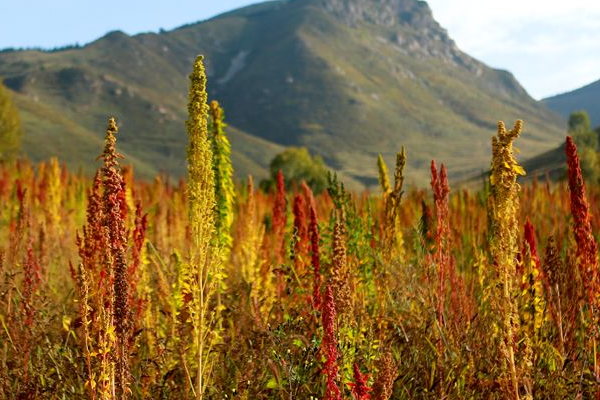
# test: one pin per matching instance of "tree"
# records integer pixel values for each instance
(581, 131)
(10, 126)
(587, 143)
(590, 164)
(298, 165)
(579, 122)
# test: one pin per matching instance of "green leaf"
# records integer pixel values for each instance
(272, 384)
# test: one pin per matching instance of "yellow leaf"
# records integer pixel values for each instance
(66, 323)
(519, 170)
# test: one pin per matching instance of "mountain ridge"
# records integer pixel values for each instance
(287, 73)
(584, 98)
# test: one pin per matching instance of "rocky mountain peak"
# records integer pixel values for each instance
(409, 23)
(414, 13)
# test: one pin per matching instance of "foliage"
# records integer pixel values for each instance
(10, 126)
(223, 173)
(504, 207)
(579, 122)
(202, 274)
(298, 165)
(587, 141)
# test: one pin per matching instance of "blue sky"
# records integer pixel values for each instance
(551, 46)
(52, 23)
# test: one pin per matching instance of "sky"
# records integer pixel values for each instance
(551, 46)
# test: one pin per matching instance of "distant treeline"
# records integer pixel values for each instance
(52, 50)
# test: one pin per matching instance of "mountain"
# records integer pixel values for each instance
(585, 98)
(347, 78)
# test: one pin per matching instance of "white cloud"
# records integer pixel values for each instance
(550, 46)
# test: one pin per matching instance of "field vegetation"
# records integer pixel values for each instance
(117, 288)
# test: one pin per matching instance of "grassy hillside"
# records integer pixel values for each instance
(347, 78)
